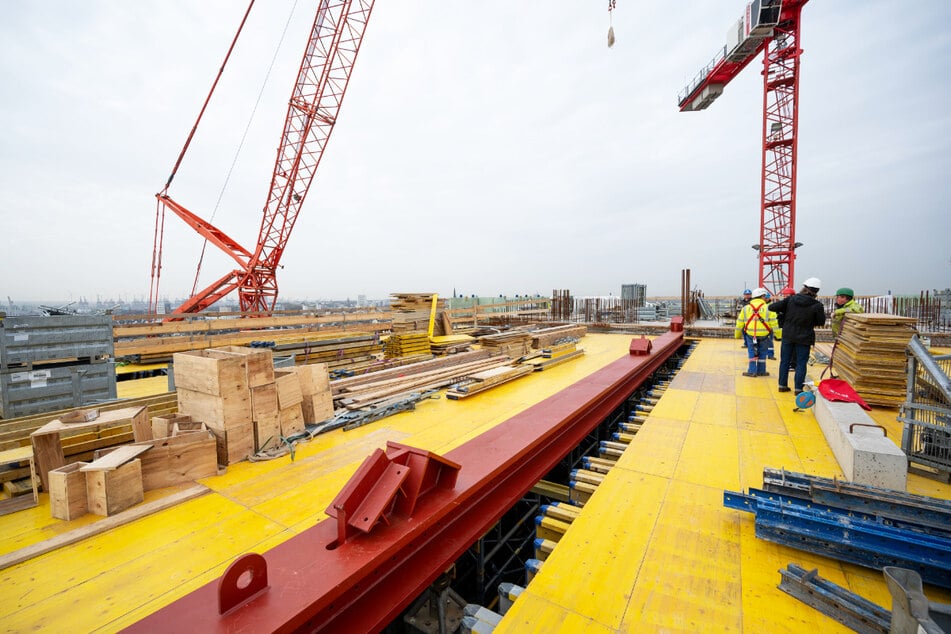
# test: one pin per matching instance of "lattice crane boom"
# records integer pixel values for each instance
(771, 27)
(322, 79)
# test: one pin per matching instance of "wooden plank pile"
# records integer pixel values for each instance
(245, 402)
(487, 379)
(406, 344)
(545, 337)
(514, 343)
(367, 390)
(870, 355)
(557, 353)
(410, 311)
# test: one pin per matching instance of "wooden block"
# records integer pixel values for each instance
(234, 444)
(141, 426)
(218, 412)
(265, 415)
(116, 458)
(288, 389)
(260, 363)
(210, 372)
(177, 459)
(80, 416)
(318, 407)
(48, 453)
(68, 491)
(314, 378)
(109, 492)
(292, 420)
(162, 425)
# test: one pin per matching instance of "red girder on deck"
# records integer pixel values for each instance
(365, 583)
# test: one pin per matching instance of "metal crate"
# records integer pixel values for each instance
(926, 413)
(29, 341)
(56, 387)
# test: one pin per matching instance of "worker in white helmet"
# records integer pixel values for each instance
(801, 314)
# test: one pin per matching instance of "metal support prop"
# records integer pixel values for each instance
(318, 584)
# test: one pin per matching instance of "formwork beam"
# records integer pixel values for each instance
(318, 584)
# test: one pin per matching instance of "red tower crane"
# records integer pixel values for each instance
(325, 69)
(771, 26)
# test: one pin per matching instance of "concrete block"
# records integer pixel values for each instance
(865, 454)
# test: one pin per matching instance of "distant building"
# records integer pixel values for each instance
(635, 292)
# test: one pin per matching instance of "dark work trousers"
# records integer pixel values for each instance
(793, 354)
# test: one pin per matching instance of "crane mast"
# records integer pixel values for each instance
(312, 109)
(770, 26)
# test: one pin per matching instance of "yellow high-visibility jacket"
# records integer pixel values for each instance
(756, 320)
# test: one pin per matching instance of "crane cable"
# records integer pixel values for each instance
(612, 4)
(244, 136)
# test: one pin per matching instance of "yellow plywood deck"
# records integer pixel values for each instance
(655, 550)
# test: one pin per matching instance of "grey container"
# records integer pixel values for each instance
(56, 387)
(29, 341)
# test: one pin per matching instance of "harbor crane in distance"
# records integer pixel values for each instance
(325, 69)
(771, 26)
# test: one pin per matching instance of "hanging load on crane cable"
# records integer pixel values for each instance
(612, 4)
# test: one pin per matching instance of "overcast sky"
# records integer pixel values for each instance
(483, 147)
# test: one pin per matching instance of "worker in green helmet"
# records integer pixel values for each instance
(844, 303)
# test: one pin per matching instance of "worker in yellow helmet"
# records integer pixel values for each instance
(756, 324)
(844, 303)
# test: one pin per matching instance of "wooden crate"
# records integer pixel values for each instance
(265, 415)
(68, 492)
(234, 444)
(186, 457)
(162, 425)
(288, 388)
(218, 412)
(210, 372)
(111, 491)
(292, 420)
(318, 407)
(260, 363)
(314, 378)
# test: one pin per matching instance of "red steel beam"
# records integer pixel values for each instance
(316, 584)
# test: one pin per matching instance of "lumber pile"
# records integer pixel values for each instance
(370, 389)
(411, 311)
(870, 355)
(545, 337)
(487, 379)
(514, 343)
(406, 344)
(557, 353)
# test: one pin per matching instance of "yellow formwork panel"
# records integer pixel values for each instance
(656, 448)
(715, 409)
(676, 405)
(595, 565)
(532, 613)
(710, 457)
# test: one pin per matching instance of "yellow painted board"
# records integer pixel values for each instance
(593, 568)
(534, 613)
(656, 447)
(716, 409)
(710, 456)
(676, 405)
(690, 579)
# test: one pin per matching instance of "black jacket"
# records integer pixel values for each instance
(800, 315)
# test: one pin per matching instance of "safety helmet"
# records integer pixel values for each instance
(759, 292)
(845, 290)
(814, 283)
(747, 291)
(787, 291)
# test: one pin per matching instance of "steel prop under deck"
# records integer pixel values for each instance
(315, 581)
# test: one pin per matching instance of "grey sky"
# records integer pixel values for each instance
(483, 147)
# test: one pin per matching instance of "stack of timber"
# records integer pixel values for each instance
(369, 389)
(487, 379)
(557, 353)
(514, 343)
(336, 352)
(405, 344)
(870, 355)
(157, 342)
(545, 337)
(411, 311)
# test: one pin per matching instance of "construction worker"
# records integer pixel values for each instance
(780, 317)
(756, 324)
(801, 314)
(844, 303)
(743, 302)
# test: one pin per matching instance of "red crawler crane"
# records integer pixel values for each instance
(771, 26)
(322, 80)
